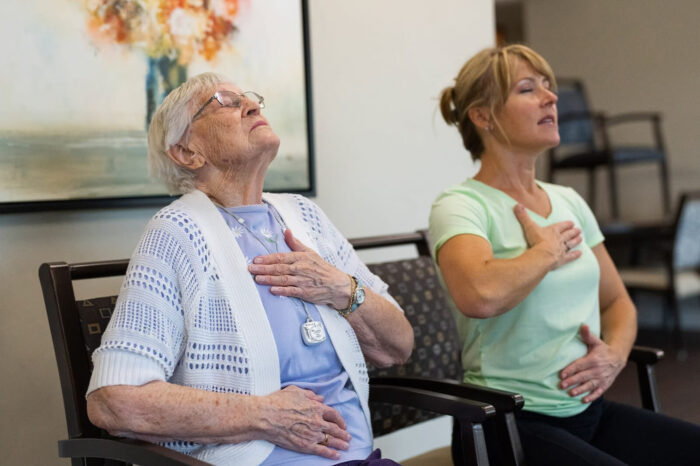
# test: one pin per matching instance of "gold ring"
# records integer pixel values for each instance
(324, 442)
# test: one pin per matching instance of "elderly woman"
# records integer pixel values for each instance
(243, 324)
(540, 306)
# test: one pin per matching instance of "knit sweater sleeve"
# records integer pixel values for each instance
(145, 336)
(337, 250)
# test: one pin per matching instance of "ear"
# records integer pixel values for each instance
(186, 158)
(480, 117)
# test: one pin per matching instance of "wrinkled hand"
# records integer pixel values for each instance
(595, 372)
(558, 240)
(297, 419)
(303, 274)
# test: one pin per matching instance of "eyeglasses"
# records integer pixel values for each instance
(232, 99)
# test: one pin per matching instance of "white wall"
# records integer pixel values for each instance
(382, 156)
(633, 55)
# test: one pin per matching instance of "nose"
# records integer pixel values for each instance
(250, 107)
(550, 97)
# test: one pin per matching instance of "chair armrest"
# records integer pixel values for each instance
(502, 400)
(646, 355)
(441, 403)
(632, 117)
(659, 230)
(128, 450)
(505, 403)
(645, 358)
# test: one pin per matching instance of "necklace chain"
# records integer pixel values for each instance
(282, 225)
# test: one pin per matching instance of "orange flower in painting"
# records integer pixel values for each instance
(178, 29)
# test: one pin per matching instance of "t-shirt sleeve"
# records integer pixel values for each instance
(589, 225)
(335, 249)
(453, 214)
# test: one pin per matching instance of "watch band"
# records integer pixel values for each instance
(352, 305)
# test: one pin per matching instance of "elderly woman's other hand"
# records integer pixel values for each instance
(303, 274)
(557, 241)
(297, 419)
(596, 371)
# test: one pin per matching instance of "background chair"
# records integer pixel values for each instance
(586, 144)
(679, 275)
(76, 329)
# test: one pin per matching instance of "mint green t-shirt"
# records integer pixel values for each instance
(524, 349)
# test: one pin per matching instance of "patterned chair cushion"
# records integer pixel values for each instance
(415, 286)
(94, 316)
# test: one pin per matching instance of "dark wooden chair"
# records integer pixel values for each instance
(77, 327)
(678, 275)
(586, 144)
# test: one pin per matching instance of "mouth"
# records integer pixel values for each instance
(548, 120)
(258, 123)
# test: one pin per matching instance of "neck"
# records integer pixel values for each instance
(508, 171)
(233, 187)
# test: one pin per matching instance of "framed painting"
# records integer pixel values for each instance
(83, 77)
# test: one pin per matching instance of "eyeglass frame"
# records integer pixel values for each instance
(218, 98)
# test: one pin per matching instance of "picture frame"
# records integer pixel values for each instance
(74, 132)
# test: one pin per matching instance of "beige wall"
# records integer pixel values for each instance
(632, 55)
(382, 156)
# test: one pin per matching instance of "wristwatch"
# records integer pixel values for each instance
(357, 297)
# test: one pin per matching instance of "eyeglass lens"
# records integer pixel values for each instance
(232, 99)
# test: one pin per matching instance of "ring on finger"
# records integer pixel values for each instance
(324, 442)
(566, 245)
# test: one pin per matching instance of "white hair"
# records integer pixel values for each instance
(168, 126)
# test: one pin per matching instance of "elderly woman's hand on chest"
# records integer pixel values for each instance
(302, 274)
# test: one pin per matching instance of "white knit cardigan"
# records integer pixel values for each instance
(189, 312)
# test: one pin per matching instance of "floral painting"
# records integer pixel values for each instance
(85, 77)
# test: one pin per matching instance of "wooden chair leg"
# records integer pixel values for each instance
(614, 204)
(474, 444)
(592, 188)
(677, 337)
(665, 188)
(469, 444)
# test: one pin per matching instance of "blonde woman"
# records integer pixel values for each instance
(539, 303)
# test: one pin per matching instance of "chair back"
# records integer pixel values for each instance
(576, 123)
(414, 284)
(686, 249)
(76, 328)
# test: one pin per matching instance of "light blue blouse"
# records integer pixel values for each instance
(316, 368)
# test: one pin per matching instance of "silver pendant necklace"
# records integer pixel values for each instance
(312, 331)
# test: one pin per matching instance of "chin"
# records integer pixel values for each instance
(552, 143)
(272, 145)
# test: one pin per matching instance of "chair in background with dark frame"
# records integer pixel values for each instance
(678, 277)
(586, 144)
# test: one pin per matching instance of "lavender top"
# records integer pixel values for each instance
(316, 368)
